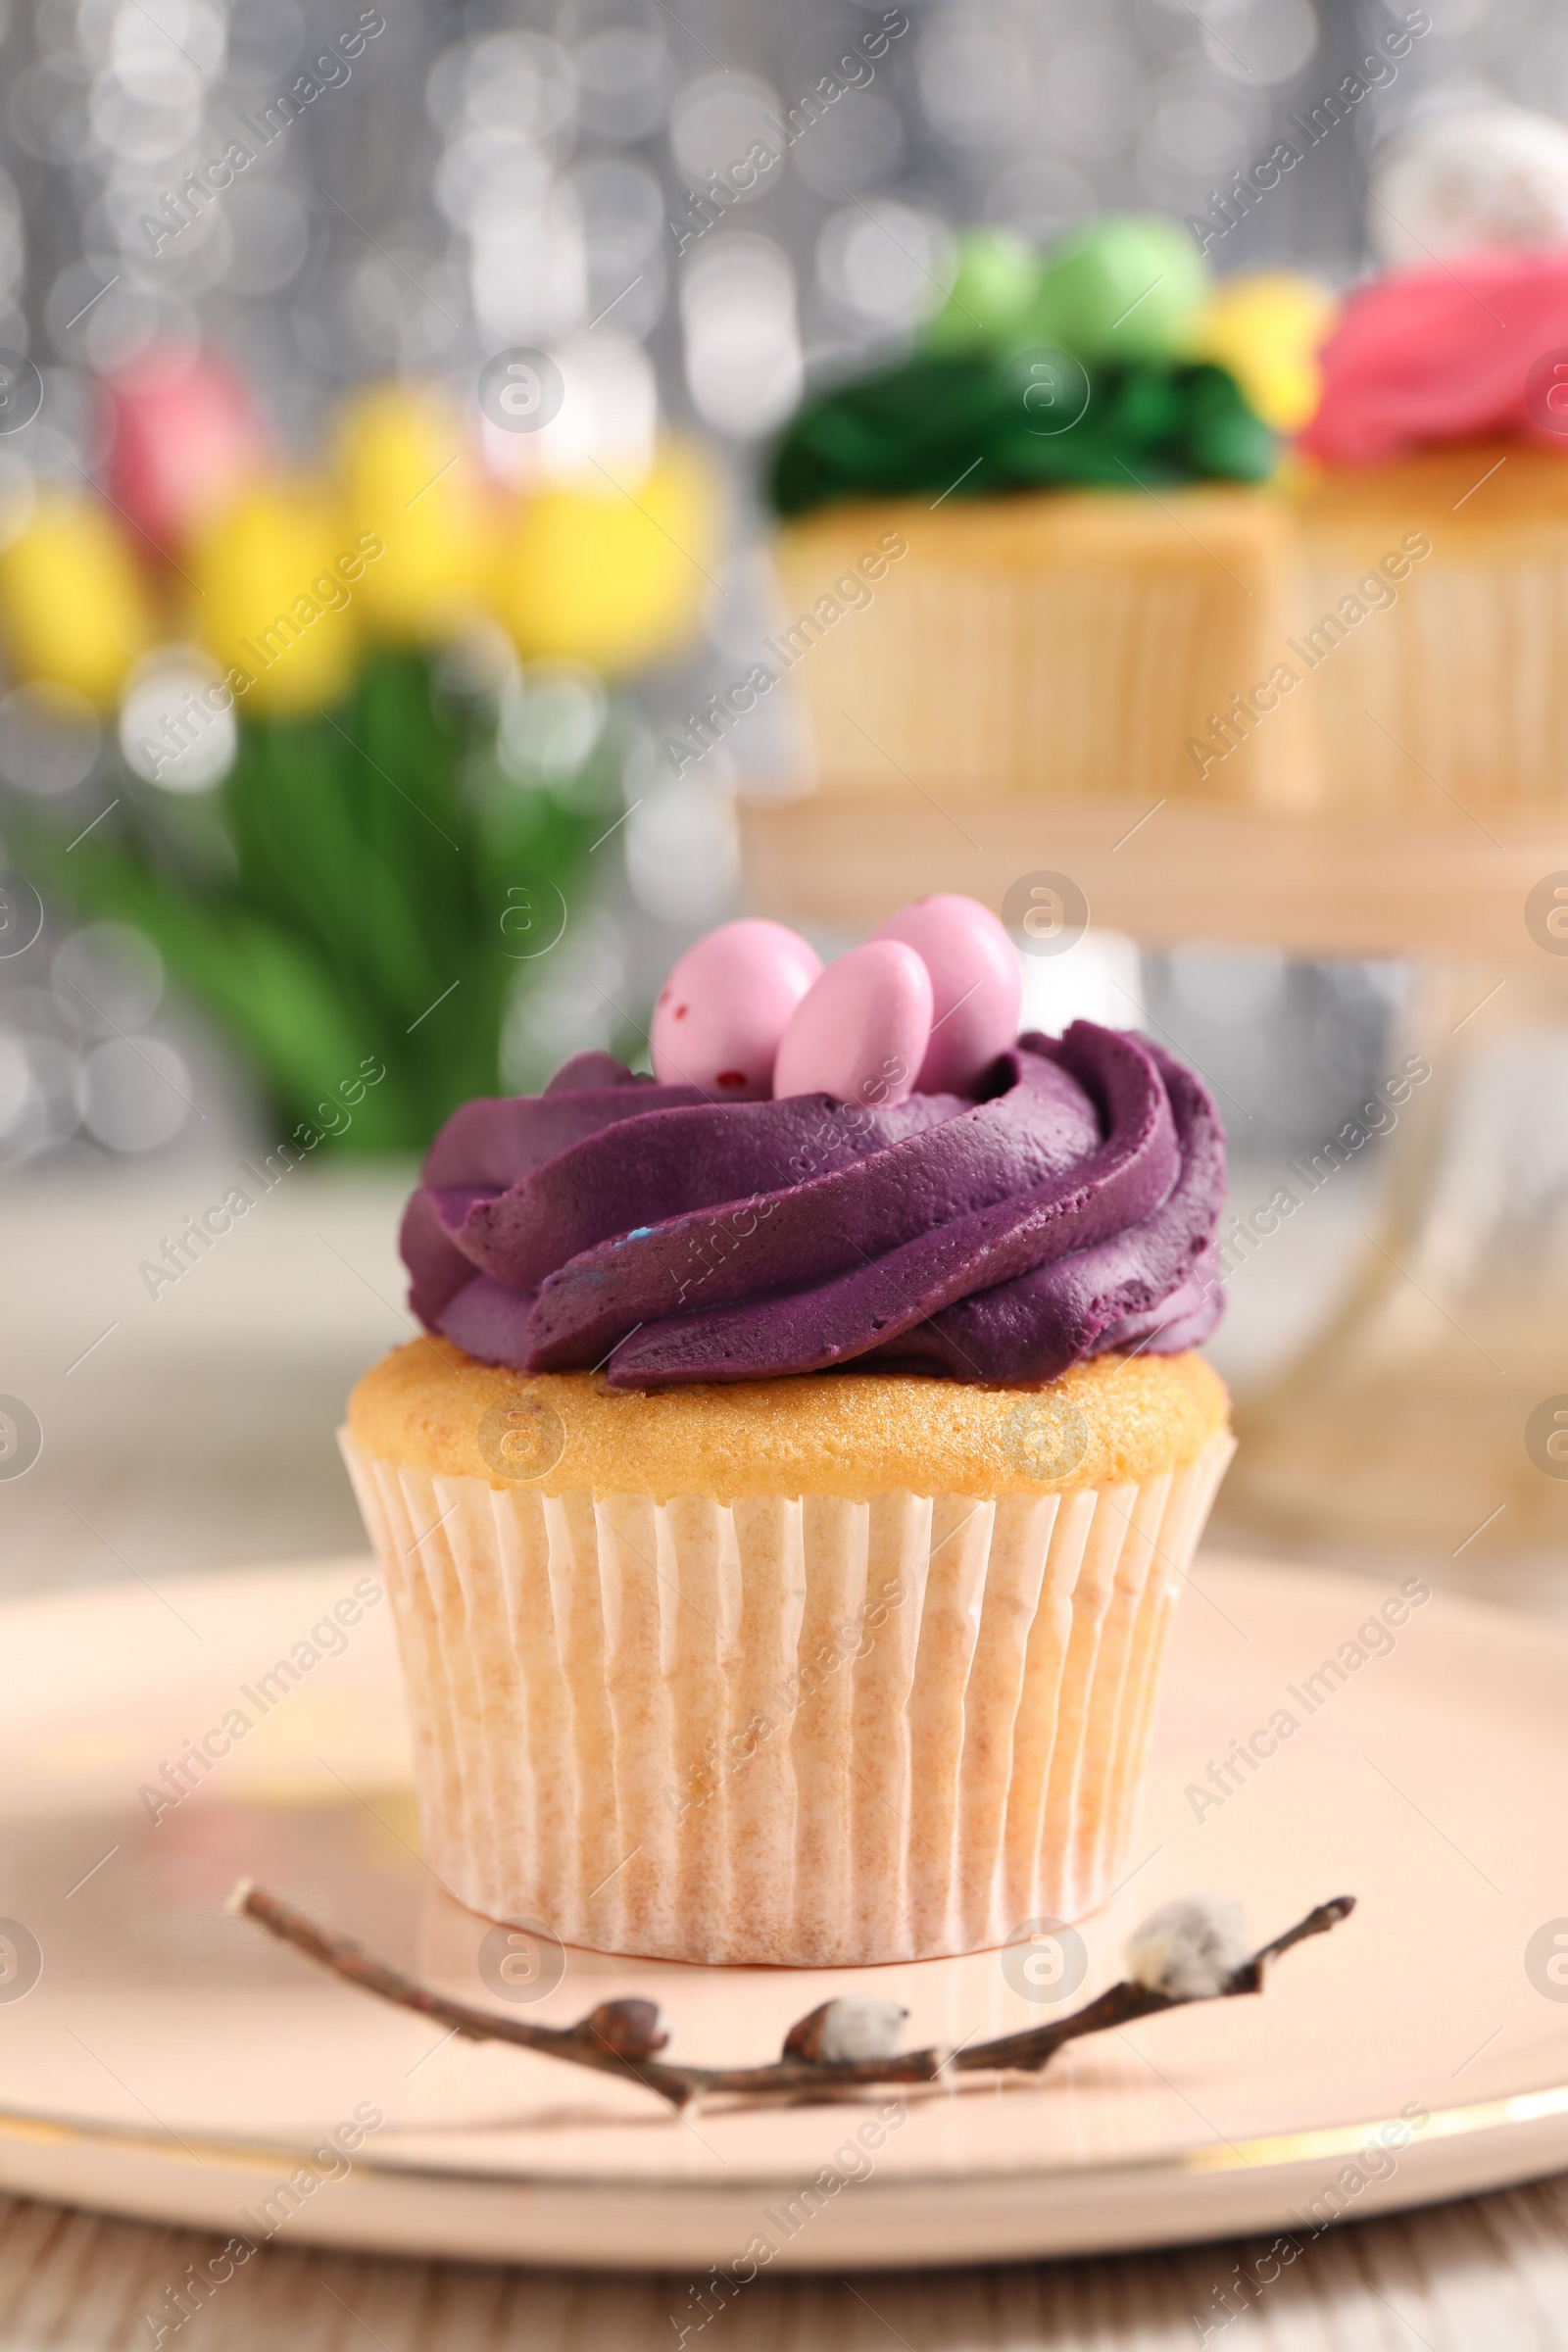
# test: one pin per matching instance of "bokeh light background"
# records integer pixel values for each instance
(484, 178)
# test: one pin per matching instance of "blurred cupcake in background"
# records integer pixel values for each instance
(1434, 610)
(1049, 524)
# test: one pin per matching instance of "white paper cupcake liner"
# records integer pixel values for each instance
(1065, 645)
(1463, 677)
(794, 1730)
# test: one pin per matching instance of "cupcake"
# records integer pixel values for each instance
(1432, 624)
(1031, 560)
(785, 1509)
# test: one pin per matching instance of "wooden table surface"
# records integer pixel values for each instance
(164, 1449)
(1489, 2274)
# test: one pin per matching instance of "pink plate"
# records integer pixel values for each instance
(171, 2062)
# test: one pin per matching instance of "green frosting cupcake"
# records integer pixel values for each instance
(1067, 368)
(918, 427)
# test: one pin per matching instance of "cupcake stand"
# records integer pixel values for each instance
(1421, 1424)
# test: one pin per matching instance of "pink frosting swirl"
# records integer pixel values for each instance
(1422, 357)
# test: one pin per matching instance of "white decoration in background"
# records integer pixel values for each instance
(1464, 177)
(742, 346)
(1098, 979)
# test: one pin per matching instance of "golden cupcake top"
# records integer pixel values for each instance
(1116, 1420)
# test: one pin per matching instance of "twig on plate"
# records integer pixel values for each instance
(1186, 1952)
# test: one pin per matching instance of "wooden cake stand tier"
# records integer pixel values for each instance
(1331, 884)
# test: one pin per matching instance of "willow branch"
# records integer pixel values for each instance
(1120, 2004)
(623, 2037)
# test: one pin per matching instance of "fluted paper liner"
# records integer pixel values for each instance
(1063, 644)
(1451, 676)
(792, 1729)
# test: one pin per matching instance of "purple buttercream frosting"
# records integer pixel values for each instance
(1066, 1209)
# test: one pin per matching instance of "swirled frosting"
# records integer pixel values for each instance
(959, 423)
(1422, 357)
(1068, 1208)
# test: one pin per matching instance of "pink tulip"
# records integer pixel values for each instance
(183, 435)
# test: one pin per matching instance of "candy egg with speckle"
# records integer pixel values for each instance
(860, 1032)
(725, 1005)
(976, 986)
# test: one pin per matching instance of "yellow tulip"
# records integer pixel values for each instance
(74, 610)
(409, 479)
(278, 576)
(610, 575)
(1265, 325)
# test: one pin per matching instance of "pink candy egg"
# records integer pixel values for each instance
(725, 1005)
(976, 984)
(860, 1033)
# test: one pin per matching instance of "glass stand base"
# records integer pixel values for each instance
(1424, 1422)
